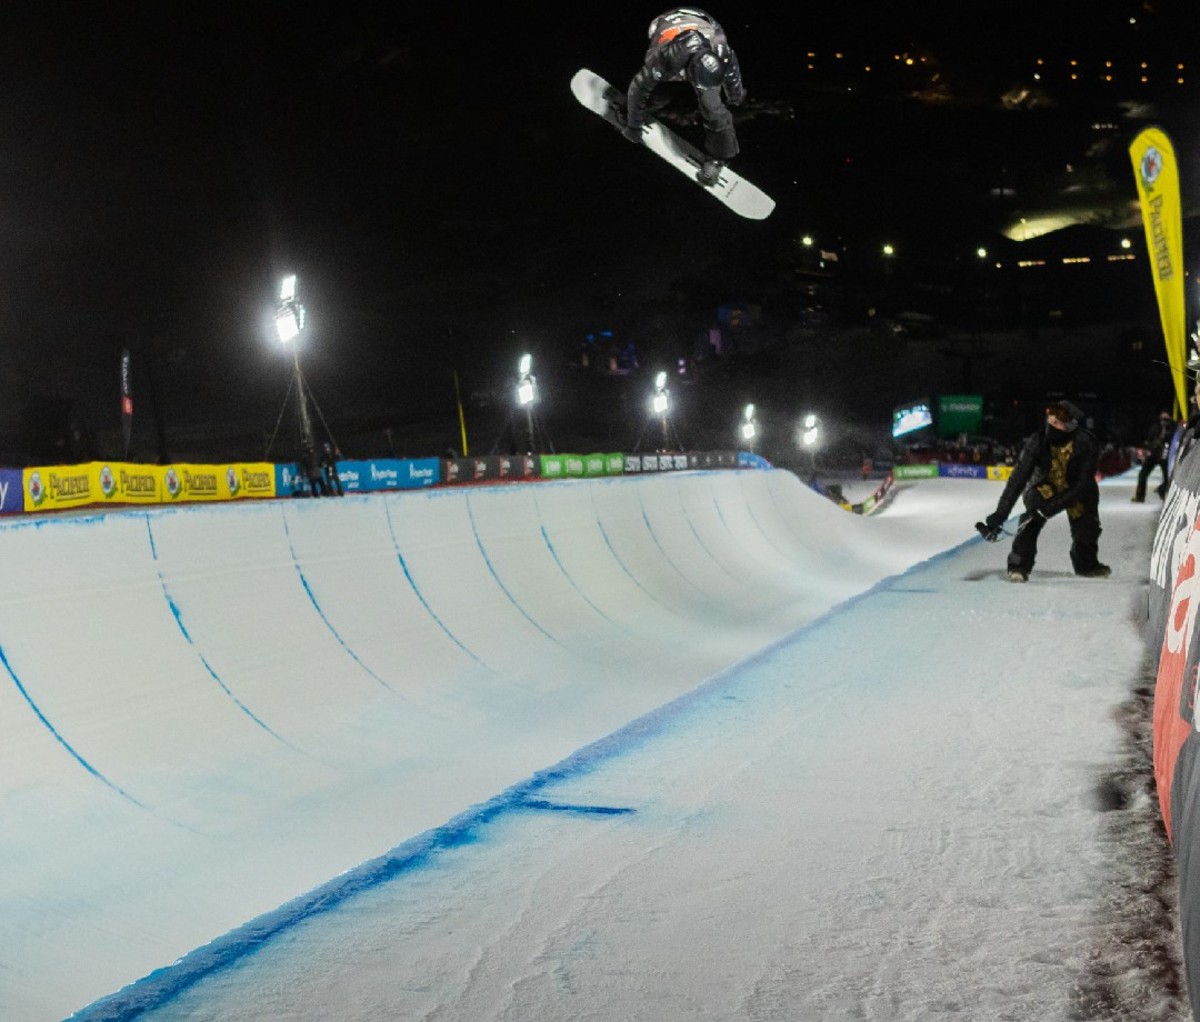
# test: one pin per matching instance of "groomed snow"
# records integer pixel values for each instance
(680, 747)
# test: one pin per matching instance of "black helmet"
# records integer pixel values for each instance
(705, 70)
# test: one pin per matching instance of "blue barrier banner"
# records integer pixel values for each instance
(748, 459)
(366, 476)
(12, 496)
(953, 470)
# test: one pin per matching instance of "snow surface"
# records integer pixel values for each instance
(699, 746)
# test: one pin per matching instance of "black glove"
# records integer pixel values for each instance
(634, 135)
(991, 528)
(735, 97)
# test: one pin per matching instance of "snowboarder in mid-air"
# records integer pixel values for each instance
(686, 44)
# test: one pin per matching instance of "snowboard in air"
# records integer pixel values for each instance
(731, 188)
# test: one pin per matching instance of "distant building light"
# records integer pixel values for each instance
(1072, 260)
(1121, 257)
(1126, 243)
(1026, 263)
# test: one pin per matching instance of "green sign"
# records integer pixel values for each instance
(959, 413)
(929, 471)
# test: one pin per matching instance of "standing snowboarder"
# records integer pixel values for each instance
(1056, 471)
(1157, 446)
(687, 44)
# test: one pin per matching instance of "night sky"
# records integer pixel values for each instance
(443, 198)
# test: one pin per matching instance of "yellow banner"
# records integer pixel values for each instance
(60, 487)
(218, 482)
(1157, 176)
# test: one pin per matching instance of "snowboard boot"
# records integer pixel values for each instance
(1018, 576)
(710, 171)
(1097, 571)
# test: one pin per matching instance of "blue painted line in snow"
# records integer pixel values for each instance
(666, 556)
(60, 739)
(321, 611)
(704, 546)
(567, 576)
(492, 568)
(164, 985)
(625, 568)
(177, 613)
(561, 807)
(421, 596)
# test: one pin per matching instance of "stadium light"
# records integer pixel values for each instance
(749, 426)
(527, 393)
(289, 325)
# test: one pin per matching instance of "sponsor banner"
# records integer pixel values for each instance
(250, 479)
(999, 473)
(11, 491)
(289, 480)
(748, 459)
(127, 483)
(595, 465)
(929, 471)
(954, 470)
(1172, 636)
(614, 464)
(493, 467)
(959, 413)
(61, 487)
(1157, 175)
(553, 466)
(190, 483)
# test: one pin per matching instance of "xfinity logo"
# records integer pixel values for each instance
(3, 493)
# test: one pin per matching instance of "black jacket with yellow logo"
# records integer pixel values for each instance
(1055, 471)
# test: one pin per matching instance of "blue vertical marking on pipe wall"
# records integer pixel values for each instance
(624, 567)
(491, 568)
(177, 614)
(661, 550)
(421, 596)
(60, 739)
(728, 527)
(321, 613)
(703, 546)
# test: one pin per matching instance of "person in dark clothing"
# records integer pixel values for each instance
(311, 465)
(687, 44)
(1157, 445)
(1056, 471)
(329, 469)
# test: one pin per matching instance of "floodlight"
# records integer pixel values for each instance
(748, 430)
(525, 365)
(749, 414)
(287, 289)
(661, 403)
(660, 381)
(810, 421)
(525, 391)
(288, 324)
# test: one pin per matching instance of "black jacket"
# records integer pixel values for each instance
(675, 38)
(1045, 490)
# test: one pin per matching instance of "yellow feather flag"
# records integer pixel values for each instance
(1157, 176)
